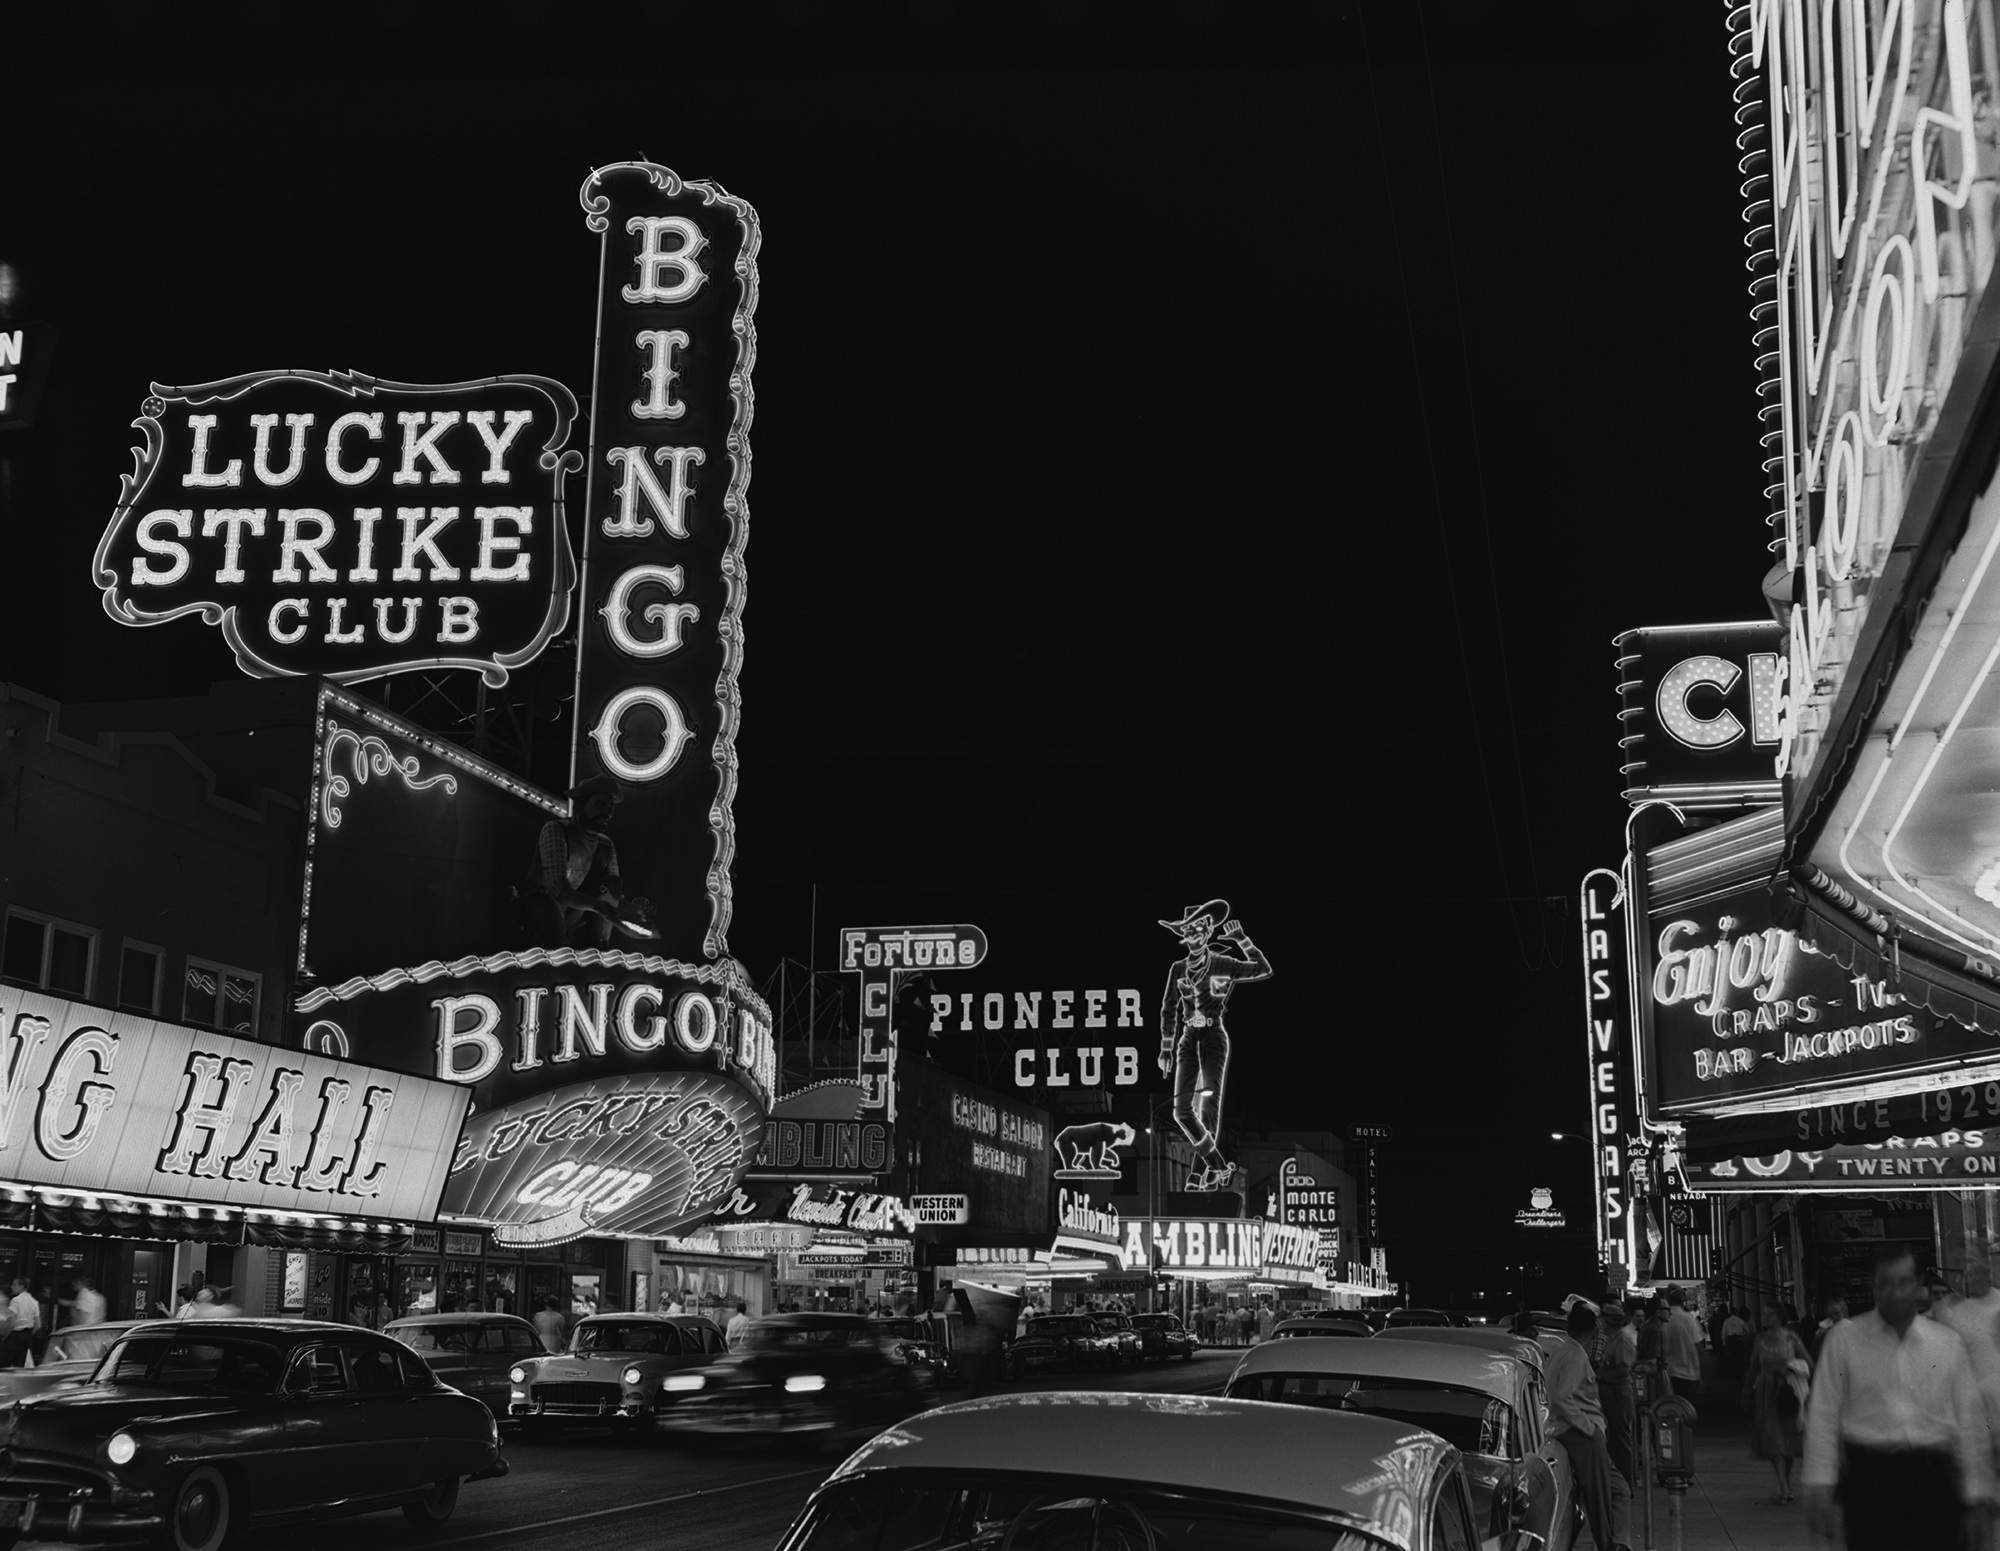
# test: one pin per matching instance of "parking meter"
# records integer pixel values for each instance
(1648, 1382)
(1673, 1440)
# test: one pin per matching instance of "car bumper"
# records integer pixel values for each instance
(78, 1515)
(574, 1411)
(746, 1417)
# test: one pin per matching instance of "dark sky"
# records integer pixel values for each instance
(1199, 449)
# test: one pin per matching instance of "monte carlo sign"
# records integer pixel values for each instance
(331, 523)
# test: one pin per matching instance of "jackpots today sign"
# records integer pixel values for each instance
(332, 523)
(109, 1102)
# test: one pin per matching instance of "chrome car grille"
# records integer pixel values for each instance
(577, 1394)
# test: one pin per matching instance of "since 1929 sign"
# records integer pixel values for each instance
(334, 524)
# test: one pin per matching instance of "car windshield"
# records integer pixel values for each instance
(900, 1329)
(623, 1335)
(1470, 1419)
(1154, 1322)
(951, 1511)
(78, 1346)
(1062, 1325)
(774, 1337)
(206, 1365)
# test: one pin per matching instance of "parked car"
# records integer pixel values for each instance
(1320, 1327)
(1070, 1342)
(190, 1432)
(70, 1359)
(471, 1352)
(1489, 1405)
(1128, 1348)
(614, 1370)
(798, 1373)
(1134, 1470)
(1165, 1336)
(1399, 1317)
(1485, 1338)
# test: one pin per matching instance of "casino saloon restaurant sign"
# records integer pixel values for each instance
(1222, 1249)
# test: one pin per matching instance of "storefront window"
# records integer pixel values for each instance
(417, 1288)
(461, 1286)
(502, 1285)
(586, 1294)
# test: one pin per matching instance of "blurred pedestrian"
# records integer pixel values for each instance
(23, 1315)
(1832, 1312)
(1680, 1345)
(1776, 1379)
(551, 1326)
(1894, 1422)
(1976, 1318)
(1576, 1421)
(87, 1307)
(1735, 1344)
(739, 1322)
(1653, 1331)
(1611, 1364)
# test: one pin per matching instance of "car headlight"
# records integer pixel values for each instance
(121, 1448)
(633, 1375)
(683, 1382)
(804, 1384)
(518, 1374)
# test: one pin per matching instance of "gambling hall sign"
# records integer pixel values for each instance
(332, 523)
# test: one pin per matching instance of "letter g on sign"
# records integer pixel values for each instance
(674, 735)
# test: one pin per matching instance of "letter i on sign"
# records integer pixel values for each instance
(667, 519)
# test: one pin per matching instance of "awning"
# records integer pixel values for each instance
(1918, 970)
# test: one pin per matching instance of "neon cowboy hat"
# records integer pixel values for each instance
(1200, 918)
(597, 786)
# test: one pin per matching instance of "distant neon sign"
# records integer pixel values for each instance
(335, 524)
(878, 954)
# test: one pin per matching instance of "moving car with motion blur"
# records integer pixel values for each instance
(1066, 1342)
(1165, 1336)
(471, 1352)
(191, 1432)
(616, 1370)
(71, 1358)
(1136, 1472)
(909, 1340)
(1488, 1405)
(797, 1373)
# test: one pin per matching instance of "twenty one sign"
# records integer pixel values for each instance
(335, 524)
(99, 1101)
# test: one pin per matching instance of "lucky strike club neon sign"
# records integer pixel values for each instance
(333, 523)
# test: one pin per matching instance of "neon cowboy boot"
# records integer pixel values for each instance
(1198, 1178)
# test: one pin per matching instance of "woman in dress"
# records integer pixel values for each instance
(1769, 1388)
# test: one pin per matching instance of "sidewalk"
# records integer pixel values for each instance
(1732, 1504)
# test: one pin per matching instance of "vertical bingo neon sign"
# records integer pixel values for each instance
(1607, 1013)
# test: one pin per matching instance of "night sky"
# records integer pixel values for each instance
(1199, 449)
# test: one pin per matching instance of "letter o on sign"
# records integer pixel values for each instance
(694, 1023)
(606, 733)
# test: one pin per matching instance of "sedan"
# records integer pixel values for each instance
(616, 1370)
(1127, 1347)
(470, 1352)
(1132, 1470)
(187, 1434)
(71, 1358)
(1488, 1404)
(798, 1373)
(1067, 1341)
(1320, 1327)
(1165, 1336)
(908, 1339)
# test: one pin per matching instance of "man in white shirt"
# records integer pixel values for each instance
(23, 1315)
(1576, 1421)
(1976, 1318)
(88, 1305)
(739, 1322)
(1680, 1344)
(1896, 1422)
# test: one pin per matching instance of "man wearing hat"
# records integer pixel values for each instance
(1194, 1044)
(575, 885)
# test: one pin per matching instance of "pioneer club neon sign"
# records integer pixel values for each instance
(332, 523)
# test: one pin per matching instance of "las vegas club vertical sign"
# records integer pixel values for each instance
(660, 641)
(1614, 1120)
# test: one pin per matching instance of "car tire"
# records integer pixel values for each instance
(200, 1512)
(432, 1509)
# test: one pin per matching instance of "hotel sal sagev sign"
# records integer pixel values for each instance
(332, 523)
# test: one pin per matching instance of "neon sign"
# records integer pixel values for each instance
(878, 954)
(1540, 1212)
(98, 1101)
(1194, 1043)
(941, 1211)
(336, 524)
(1618, 1145)
(1698, 721)
(667, 518)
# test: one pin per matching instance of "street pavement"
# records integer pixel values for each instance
(586, 1489)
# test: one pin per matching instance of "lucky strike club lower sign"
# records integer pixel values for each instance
(332, 523)
(97, 1101)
